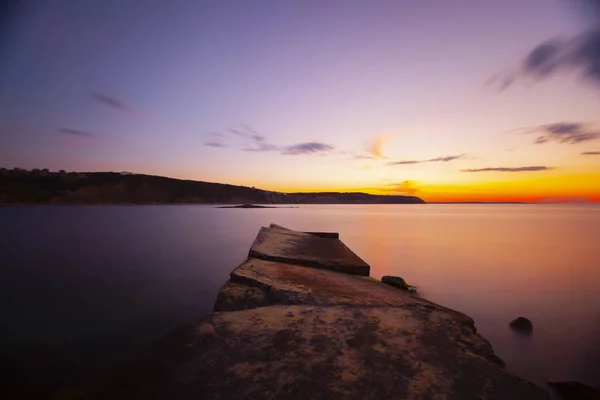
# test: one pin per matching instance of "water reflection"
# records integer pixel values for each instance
(84, 278)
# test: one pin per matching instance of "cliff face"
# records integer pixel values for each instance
(114, 188)
(302, 321)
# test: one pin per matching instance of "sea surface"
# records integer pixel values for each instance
(95, 283)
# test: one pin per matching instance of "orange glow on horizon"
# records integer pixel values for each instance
(583, 187)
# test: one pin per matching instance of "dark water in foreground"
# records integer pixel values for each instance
(95, 283)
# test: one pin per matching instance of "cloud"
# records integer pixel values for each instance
(218, 140)
(263, 147)
(511, 169)
(75, 132)
(545, 59)
(407, 162)
(591, 153)
(362, 157)
(437, 159)
(564, 132)
(378, 142)
(110, 101)
(307, 148)
(248, 133)
(300, 148)
(406, 188)
(580, 53)
(502, 81)
(215, 144)
(252, 141)
(447, 158)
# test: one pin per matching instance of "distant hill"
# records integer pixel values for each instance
(19, 186)
(351, 198)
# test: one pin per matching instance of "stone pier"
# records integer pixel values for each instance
(302, 319)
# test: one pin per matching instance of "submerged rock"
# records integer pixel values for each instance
(521, 324)
(571, 390)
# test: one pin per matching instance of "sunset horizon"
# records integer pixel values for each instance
(482, 102)
(546, 191)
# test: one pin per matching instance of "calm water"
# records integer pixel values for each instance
(97, 282)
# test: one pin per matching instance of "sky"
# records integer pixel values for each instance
(462, 100)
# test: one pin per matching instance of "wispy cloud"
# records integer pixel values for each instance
(580, 53)
(110, 101)
(253, 141)
(509, 169)
(75, 132)
(564, 132)
(362, 157)
(377, 145)
(447, 158)
(501, 81)
(262, 148)
(248, 133)
(406, 188)
(437, 159)
(215, 144)
(218, 140)
(300, 148)
(591, 153)
(307, 148)
(405, 162)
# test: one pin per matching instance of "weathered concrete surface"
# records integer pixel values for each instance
(306, 352)
(327, 235)
(259, 283)
(283, 331)
(299, 248)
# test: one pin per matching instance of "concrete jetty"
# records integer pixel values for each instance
(301, 319)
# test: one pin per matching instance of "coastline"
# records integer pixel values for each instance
(45, 187)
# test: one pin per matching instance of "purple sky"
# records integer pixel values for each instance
(287, 93)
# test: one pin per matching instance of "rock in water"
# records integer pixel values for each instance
(575, 391)
(522, 324)
(248, 206)
(396, 282)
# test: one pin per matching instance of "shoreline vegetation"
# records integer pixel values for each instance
(43, 187)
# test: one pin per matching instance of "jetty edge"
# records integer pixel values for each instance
(302, 319)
